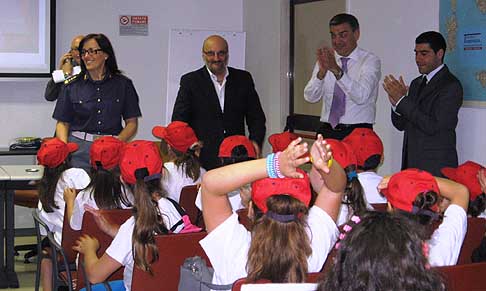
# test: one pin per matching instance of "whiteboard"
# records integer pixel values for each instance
(185, 55)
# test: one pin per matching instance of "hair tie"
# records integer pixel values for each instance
(431, 214)
(152, 177)
(351, 175)
(284, 218)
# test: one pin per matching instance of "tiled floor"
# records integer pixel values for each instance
(25, 272)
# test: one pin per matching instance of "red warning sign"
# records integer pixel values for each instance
(139, 19)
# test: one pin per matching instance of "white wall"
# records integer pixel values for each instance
(23, 110)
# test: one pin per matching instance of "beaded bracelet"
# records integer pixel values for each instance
(271, 172)
(277, 165)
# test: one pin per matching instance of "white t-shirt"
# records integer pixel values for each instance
(120, 248)
(344, 214)
(71, 178)
(446, 241)
(370, 181)
(86, 198)
(228, 244)
(174, 179)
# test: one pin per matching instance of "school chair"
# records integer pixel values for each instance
(173, 250)
(89, 227)
(243, 218)
(237, 285)
(26, 198)
(467, 277)
(476, 228)
(188, 201)
(380, 207)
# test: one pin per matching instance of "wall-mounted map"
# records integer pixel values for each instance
(463, 25)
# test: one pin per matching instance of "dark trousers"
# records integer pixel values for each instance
(341, 130)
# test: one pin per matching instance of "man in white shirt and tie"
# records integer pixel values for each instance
(346, 77)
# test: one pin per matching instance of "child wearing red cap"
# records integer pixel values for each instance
(154, 214)
(381, 251)
(183, 168)
(473, 176)
(368, 149)
(234, 149)
(354, 202)
(105, 191)
(58, 175)
(415, 193)
(288, 239)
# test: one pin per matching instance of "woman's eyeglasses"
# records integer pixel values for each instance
(90, 51)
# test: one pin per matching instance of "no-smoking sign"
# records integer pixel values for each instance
(124, 20)
(133, 25)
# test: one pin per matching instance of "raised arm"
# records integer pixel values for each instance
(455, 192)
(218, 182)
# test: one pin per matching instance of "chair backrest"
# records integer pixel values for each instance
(188, 201)
(311, 278)
(173, 250)
(243, 218)
(476, 228)
(467, 277)
(381, 207)
(89, 227)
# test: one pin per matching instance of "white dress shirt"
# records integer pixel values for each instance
(360, 84)
(220, 88)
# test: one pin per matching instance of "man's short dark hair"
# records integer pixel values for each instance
(345, 18)
(434, 39)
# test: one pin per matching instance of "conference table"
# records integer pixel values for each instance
(12, 177)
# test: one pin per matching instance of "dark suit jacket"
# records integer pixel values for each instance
(197, 104)
(429, 123)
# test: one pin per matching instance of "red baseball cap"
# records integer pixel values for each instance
(404, 186)
(342, 153)
(298, 188)
(233, 141)
(137, 155)
(177, 134)
(54, 152)
(365, 143)
(280, 141)
(107, 151)
(466, 174)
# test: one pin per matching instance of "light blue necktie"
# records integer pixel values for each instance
(338, 105)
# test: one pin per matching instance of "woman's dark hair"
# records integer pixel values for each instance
(354, 193)
(238, 154)
(188, 161)
(148, 223)
(106, 47)
(477, 206)
(47, 186)
(107, 189)
(279, 250)
(382, 252)
(371, 163)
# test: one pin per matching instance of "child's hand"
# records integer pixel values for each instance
(321, 153)
(69, 194)
(104, 224)
(383, 183)
(290, 158)
(482, 179)
(86, 244)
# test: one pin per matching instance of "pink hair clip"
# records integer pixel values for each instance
(336, 246)
(342, 236)
(347, 228)
(355, 219)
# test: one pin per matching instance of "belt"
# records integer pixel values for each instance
(343, 126)
(87, 136)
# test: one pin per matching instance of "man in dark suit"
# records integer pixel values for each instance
(216, 100)
(427, 111)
